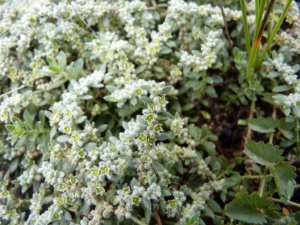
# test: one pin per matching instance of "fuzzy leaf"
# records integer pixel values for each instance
(166, 90)
(164, 114)
(56, 84)
(263, 125)
(157, 166)
(80, 119)
(146, 100)
(248, 209)
(110, 98)
(283, 172)
(264, 154)
(78, 68)
(162, 137)
(147, 203)
(62, 138)
(281, 88)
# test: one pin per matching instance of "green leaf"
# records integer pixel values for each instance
(147, 203)
(80, 119)
(14, 165)
(166, 90)
(28, 119)
(209, 147)
(63, 138)
(42, 118)
(162, 137)
(146, 100)
(56, 84)
(62, 61)
(157, 166)
(281, 88)
(164, 114)
(263, 125)
(248, 209)
(140, 69)
(21, 141)
(264, 154)
(10, 127)
(78, 68)
(205, 114)
(102, 128)
(211, 92)
(110, 98)
(187, 107)
(283, 172)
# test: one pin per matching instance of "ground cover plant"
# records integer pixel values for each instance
(149, 112)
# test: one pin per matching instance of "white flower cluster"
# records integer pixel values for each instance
(81, 171)
(287, 71)
(65, 112)
(93, 80)
(179, 10)
(291, 101)
(203, 60)
(7, 105)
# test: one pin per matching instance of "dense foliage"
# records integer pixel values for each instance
(149, 112)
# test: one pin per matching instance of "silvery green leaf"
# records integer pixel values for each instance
(164, 114)
(102, 128)
(157, 166)
(89, 146)
(146, 87)
(113, 139)
(97, 85)
(296, 111)
(140, 69)
(281, 88)
(147, 203)
(86, 97)
(80, 119)
(53, 132)
(110, 98)
(62, 61)
(166, 90)
(165, 50)
(67, 215)
(56, 84)
(158, 69)
(21, 141)
(111, 88)
(63, 138)
(162, 137)
(171, 44)
(14, 165)
(120, 104)
(78, 66)
(146, 100)
(148, 213)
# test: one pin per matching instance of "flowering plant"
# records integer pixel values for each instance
(119, 112)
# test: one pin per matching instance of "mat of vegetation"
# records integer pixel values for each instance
(149, 112)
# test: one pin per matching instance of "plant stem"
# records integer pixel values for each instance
(248, 135)
(275, 30)
(254, 176)
(226, 27)
(21, 87)
(297, 186)
(258, 36)
(274, 117)
(289, 202)
(136, 220)
(246, 29)
(297, 134)
(262, 182)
